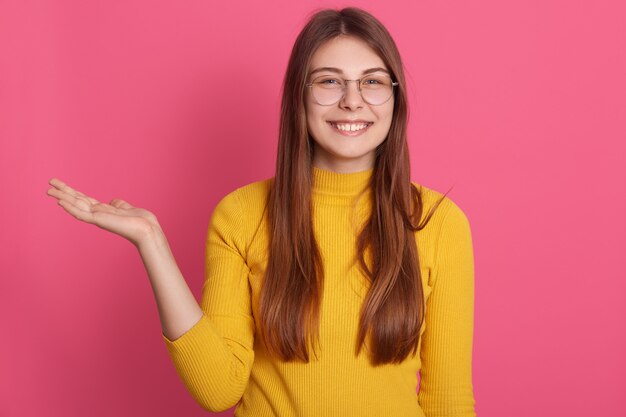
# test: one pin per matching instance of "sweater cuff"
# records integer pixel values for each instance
(190, 340)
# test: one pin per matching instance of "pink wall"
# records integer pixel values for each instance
(520, 105)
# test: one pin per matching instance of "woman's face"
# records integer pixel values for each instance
(334, 149)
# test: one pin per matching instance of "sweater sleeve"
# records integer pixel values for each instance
(446, 377)
(215, 356)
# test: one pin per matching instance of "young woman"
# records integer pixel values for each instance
(317, 301)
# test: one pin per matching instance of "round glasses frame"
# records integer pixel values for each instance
(345, 87)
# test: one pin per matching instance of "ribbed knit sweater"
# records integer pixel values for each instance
(223, 364)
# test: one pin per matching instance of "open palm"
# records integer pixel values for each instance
(119, 217)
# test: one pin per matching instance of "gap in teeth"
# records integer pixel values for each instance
(350, 127)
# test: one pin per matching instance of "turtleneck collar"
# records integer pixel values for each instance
(339, 188)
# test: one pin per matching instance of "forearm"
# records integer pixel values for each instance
(210, 346)
(178, 309)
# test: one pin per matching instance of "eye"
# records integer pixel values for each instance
(329, 81)
(375, 82)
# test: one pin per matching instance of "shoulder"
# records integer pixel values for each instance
(448, 226)
(244, 207)
(447, 211)
(237, 215)
(254, 190)
(249, 198)
(447, 237)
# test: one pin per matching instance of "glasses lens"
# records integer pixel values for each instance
(327, 90)
(376, 89)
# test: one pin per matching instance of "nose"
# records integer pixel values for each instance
(351, 96)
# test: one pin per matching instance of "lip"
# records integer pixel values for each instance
(350, 133)
(349, 121)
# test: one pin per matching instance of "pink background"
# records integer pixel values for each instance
(519, 105)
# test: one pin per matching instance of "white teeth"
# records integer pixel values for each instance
(350, 127)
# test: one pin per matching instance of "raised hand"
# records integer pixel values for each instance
(132, 223)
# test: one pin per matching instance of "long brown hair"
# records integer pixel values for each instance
(393, 310)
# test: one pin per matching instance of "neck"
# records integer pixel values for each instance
(340, 188)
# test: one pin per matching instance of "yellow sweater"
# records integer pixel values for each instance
(222, 364)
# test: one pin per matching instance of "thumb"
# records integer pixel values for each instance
(116, 202)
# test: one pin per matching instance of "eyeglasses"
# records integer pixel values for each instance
(375, 89)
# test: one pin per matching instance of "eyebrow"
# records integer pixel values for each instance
(338, 71)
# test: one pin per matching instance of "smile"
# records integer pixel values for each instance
(350, 129)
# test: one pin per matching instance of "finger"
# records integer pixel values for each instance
(106, 208)
(84, 203)
(67, 189)
(78, 213)
(90, 199)
(60, 195)
(119, 203)
(60, 185)
(100, 214)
